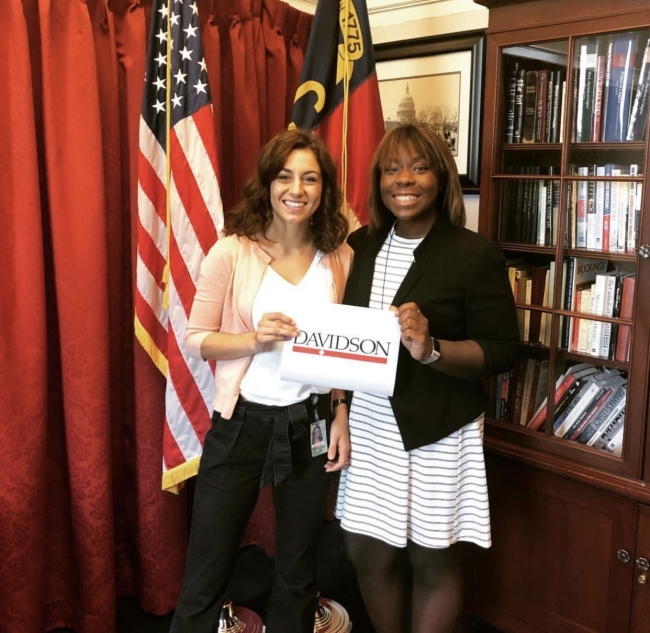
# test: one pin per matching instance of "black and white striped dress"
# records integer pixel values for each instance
(435, 495)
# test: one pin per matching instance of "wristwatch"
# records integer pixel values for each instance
(435, 352)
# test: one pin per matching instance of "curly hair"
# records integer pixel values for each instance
(434, 149)
(252, 215)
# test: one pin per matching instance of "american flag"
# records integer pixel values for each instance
(180, 217)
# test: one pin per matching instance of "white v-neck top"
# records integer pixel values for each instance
(261, 382)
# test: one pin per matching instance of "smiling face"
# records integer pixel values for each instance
(295, 193)
(409, 188)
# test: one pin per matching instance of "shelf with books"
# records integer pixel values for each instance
(535, 91)
(569, 206)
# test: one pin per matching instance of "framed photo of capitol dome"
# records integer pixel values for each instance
(438, 82)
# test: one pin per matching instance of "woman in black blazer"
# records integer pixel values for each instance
(416, 482)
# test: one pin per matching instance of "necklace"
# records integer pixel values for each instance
(402, 252)
(386, 261)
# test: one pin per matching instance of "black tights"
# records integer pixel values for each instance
(386, 574)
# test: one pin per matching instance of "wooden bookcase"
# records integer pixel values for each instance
(570, 506)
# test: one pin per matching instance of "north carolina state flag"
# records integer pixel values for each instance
(338, 96)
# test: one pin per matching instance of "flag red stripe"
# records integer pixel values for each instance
(172, 454)
(150, 256)
(187, 391)
(183, 281)
(190, 195)
(203, 119)
(152, 187)
(150, 322)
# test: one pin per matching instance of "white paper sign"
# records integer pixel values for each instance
(343, 347)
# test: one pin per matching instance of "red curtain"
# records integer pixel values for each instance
(83, 519)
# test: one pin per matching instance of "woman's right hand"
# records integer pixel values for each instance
(272, 327)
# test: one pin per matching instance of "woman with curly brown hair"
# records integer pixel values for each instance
(284, 247)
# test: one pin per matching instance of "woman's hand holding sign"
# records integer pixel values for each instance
(272, 327)
(414, 327)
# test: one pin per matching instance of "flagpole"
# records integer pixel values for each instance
(168, 165)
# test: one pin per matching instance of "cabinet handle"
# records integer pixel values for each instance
(642, 564)
(623, 556)
(644, 251)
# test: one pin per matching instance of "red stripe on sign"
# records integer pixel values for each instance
(321, 352)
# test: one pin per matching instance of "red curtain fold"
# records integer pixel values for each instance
(23, 356)
(84, 519)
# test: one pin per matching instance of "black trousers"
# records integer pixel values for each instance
(238, 455)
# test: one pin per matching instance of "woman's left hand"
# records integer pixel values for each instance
(338, 455)
(415, 330)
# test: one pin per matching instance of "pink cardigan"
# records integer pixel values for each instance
(230, 276)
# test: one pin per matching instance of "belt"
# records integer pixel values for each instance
(278, 463)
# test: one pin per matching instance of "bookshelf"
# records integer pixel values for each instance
(563, 189)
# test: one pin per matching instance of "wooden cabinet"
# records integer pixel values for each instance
(563, 189)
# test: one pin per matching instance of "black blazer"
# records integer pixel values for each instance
(460, 283)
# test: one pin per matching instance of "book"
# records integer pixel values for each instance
(542, 100)
(612, 407)
(581, 208)
(581, 328)
(586, 91)
(599, 210)
(580, 271)
(601, 63)
(530, 380)
(636, 190)
(588, 394)
(538, 281)
(562, 386)
(511, 89)
(607, 208)
(618, 87)
(588, 415)
(519, 380)
(619, 191)
(530, 107)
(597, 308)
(520, 88)
(637, 126)
(604, 435)
(615, 445)
(548, 124)
(613, 278)
(616, 312)
(591, 209)
(625, 331)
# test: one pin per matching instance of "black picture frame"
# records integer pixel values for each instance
(434, 49)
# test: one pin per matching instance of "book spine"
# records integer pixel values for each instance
(591, 210)
(607, 208)
(620, 84)
(548, 115)
(611, 408)
(519, 106)
(561, 388)
(625, 331)
(585, 419)
(581, 209)
(573, 410)
(530, 107)
(604, 435)
(568, 302)
(510, 104)
(600, 205)
(639, 115)
(540, 111)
